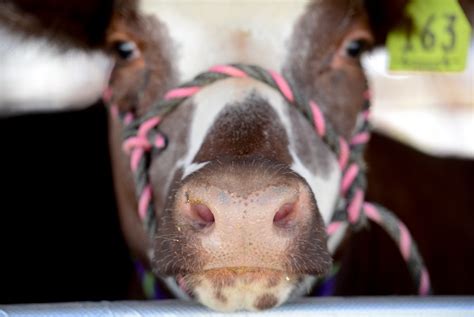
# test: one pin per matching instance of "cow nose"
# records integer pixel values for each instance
(248, 227)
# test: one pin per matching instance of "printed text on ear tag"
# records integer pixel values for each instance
(437, 42)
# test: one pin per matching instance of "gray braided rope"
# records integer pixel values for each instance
(142, 135)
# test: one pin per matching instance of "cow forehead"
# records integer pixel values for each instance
(206, 33)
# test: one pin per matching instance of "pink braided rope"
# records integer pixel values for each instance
(405, 244)
(333, 227)
(318, 119)
(349, 177)
(144, 201)
(138, 145)
(228, 70)
(425, 284)
(355, 206)
(405, 241)
(181, 92)
(282, 85)
(146, 126)
(360, 138)
(344, 153)
(135, 142)
(129, 117)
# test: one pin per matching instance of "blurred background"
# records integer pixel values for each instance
(60, 238)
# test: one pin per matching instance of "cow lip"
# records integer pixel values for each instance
(182, 284)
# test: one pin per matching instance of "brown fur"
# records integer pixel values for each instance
(139, 82)
(248, 129)
(67, 23)
(338, 91)
(266, 301)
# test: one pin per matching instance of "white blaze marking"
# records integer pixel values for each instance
(209, 102)
(326, 190)
(193, 167)
(213, 99)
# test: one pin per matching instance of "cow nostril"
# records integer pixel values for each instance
(203, 215)
(284, 215)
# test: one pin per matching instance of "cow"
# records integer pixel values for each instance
(245, 188)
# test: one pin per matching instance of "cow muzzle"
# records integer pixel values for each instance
(242, 239)
(244, 288)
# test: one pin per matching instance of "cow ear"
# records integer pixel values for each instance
(80, 23)
(384, 16)
(468, 7)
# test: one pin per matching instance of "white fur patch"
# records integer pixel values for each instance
(35, 75)
(222, 31)
(193, 167)
(326, 190)
(209, 102)
(243, 295)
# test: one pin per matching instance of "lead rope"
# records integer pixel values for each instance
(144, 140)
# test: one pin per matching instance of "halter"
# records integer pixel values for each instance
(143, 139)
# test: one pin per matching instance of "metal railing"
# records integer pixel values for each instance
(434, 306)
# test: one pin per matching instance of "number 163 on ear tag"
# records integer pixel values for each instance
(438, 40)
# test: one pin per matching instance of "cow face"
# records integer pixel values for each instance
(245, 187)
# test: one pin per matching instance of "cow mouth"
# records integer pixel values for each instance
(249, 289)
(187, 282)
(183, 285)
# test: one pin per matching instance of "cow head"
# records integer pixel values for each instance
(245, 187)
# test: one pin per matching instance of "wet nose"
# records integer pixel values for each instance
(277, 207)
(201, 216)
(247, 229)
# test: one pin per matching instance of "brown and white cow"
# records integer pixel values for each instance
(245, 187)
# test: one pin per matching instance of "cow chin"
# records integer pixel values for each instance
(248, 289)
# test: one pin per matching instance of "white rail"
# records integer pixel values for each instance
(320, 307)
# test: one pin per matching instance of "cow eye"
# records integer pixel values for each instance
(356, 48)
(126, 50)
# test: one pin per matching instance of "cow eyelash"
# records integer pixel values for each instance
(126, 50)
(355, 48)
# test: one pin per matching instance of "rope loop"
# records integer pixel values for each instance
(142, 139)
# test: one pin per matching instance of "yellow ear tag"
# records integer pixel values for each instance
(438, 42)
